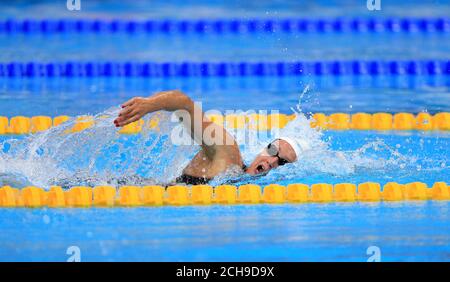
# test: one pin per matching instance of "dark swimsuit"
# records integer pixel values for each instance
(195, 180)
(192, 180)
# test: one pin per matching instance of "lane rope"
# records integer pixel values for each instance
(224, 69)
(231, 26)
(19, 125)
(134, 196)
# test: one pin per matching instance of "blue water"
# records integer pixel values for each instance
(77, 96)
(350, 156)
(143, 9)
(405, 231)
(413, 231)
(271, 47)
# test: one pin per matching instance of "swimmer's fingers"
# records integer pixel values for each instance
(125, 112)
(124, 116)
(133, 101)
(129, 102)
(134, 118)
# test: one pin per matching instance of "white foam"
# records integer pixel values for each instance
(99, 155)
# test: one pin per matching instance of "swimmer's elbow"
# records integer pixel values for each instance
(176, 100)
(181, 97)
(178, 94)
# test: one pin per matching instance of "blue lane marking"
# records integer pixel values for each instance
(203, 26)
(208, 69)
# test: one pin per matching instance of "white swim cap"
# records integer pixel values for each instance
(298, 145)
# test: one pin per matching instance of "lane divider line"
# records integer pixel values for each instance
(19, 125)
(179, 195)
(227, 26)
(224, 69)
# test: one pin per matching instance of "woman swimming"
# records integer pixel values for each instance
(219, 152)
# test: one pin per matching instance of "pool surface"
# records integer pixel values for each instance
(417, 80)
(310, 232)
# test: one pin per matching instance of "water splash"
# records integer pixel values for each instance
(321, 163)
(100, 155)
(95, 156)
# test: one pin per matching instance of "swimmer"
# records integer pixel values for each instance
(214, 158)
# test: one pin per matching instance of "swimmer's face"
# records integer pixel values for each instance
(277, 153)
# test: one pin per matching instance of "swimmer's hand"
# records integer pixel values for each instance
(133, 110)
(175, 100)
(137, 107)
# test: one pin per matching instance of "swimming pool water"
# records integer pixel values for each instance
(224, 47)
(350, 157)
(407, 231)
(404, 231)
(350, 94)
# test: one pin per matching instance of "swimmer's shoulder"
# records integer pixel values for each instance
(229, 155)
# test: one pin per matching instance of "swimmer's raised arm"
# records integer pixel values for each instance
(137, 107)
(175, 100)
